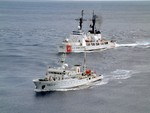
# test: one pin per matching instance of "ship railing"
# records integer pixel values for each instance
(96, 43)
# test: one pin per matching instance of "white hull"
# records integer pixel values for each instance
(42, 86)
(79, 48)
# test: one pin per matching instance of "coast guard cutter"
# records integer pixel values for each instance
(78, 41)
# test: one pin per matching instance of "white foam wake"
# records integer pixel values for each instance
(118, 74)
(126, 45)
(121, 74)
(99, 83)
(134, 44)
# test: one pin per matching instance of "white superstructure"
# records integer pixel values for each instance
(79, 41)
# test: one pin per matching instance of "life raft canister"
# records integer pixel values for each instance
(88, 72)
(68, 48)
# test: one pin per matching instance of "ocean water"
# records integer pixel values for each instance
(29, 35)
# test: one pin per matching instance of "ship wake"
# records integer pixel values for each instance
(117, 75)
(137, 44)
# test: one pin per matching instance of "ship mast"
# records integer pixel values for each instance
(93, 23)
(81, 20)
(94, 20)
(63, 58)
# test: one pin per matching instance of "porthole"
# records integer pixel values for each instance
(43, 86)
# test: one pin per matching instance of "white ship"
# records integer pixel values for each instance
(63, 77)
(79, 41)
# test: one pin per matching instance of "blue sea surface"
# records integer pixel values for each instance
(29, 35)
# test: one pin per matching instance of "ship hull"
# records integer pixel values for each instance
(43, 86)
(80, 48)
